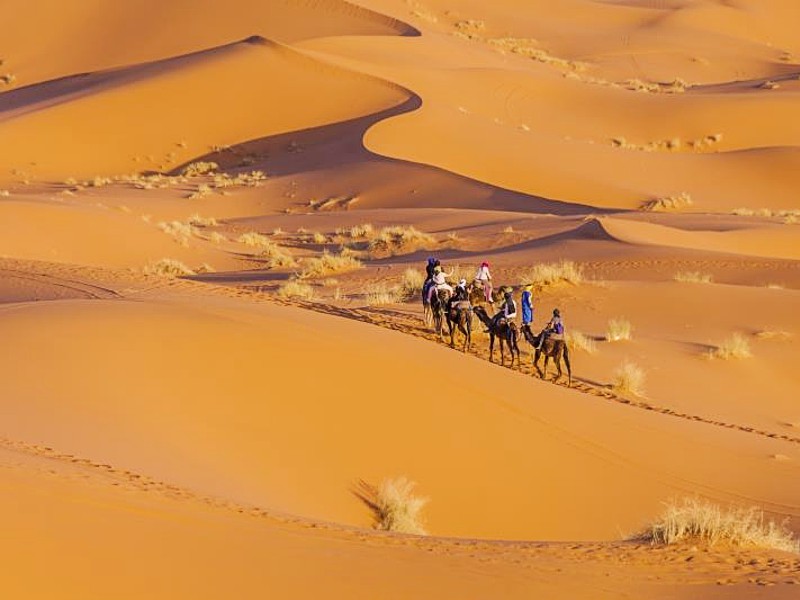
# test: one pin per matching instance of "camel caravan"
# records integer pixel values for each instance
(455, 306)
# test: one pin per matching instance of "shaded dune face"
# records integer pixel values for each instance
(207, 370)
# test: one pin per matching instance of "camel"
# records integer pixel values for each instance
(438, 308)
(505, 331)
(555, 349)
(477, 297)
(459, 316)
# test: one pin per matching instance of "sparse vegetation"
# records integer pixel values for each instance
(365, 230)
(399, 239)
(379, 293)
(216, 237)
(296, 289)
(693, 277)
(552, 274)
(411, 284)
(251, 238)
(329, 264)
(696, 520)
(579, 341)
(202, 191)
(8, 78)
(770, 334)
(182, 232)
(628, 380)
(168, 267)
(619, 329)
(277, 256)
(668, 203)
(394, 505)
(789, 216)
(199, 221)
(199, 168)
(735, 346)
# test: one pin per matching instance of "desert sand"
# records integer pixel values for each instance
(203, 432)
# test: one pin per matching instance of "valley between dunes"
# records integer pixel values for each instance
(206, 433)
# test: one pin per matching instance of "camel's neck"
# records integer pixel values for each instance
(483, 316)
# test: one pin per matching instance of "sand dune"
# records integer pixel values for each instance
(148, 105)
(204, 435)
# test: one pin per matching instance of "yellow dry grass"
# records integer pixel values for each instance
(553, 274)
(168, 267)
(329, 264)
(618, 330)
(394, 505)
(735, 346)
(629, 380)
(693, 277)
(296, 289)
(696, 520)
(580, 341)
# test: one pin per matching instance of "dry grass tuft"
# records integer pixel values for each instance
(668, 203)
(296, 289)
(394, 505)
(365, 230)
(168, 267)
(579, 341)
(196, 169)
(399, 239)
(182, 232)
(251, 238)
(330, 264)
(199, 221)
(769, 334)
(216, 238)
(735, 346)
(618, 330)
(552, 274)
(628, 380)
(202, 191)
(692, 519)
(411, 283)
(378, 294)
(693, 277)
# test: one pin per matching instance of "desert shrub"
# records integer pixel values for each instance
(769, 334)
(199, 221)
(579, 341)
(168, 267)
(399, 239)
(735, 346)
(319, 238)
(202, 191)
(196, 169)
(296, 289)
(180, 231)
(364, 230)
(692, 519)
(216, 237)
(552, 274)
(619, 329)
(411, 283)
(668, 203)
(394, 505)
(628, 379)
(330, 264)
(693, 277)
(251, 238)
(379, 293)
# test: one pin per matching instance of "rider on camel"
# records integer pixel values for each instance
(484, 279)
(508, 310)
(553, 330)
(439, 282)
